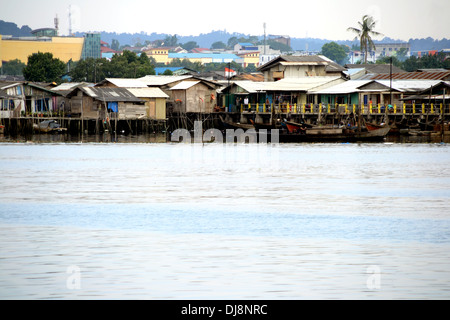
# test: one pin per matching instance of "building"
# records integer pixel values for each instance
(91, 46)
(368, 71)
(282, 93)
(372, 92)
(392, 50)
(26, 98)
(186, 93)
(248, 58)
(154, 98)
(292, 67)
(194, 97)
(161, 55)
(63, 48)
(103, 103)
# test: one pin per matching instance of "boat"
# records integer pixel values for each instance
(335, 135)
(294, 127)
(235, 125)
(266, 126)
(48, 126)
(373, 126)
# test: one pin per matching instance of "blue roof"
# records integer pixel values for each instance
(162, 69)
(246, 44)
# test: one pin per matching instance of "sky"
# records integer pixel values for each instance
(324, 19)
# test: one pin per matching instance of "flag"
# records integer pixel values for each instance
(229, 72)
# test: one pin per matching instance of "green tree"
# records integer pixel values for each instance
(170, 41)
(91, 70)
(13, 67)
(189, 45)
(115, 45)
(335, 52)
(365, 33)
(426, 62)
(42, 67)
(387, 60)
(218, 45)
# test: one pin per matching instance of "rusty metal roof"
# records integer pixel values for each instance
(413, 76)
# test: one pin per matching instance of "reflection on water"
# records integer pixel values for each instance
(176, 221)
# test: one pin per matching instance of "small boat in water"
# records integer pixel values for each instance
(235, 125)
(335, 135)
(374, 126)
(49, 126)
(294, 127)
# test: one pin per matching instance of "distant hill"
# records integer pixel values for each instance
(11, 29)
(205, 40)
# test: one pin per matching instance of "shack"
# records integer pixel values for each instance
(102, 103)
(155, 101)
(194, 97)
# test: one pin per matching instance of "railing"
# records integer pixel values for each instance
(345, 108)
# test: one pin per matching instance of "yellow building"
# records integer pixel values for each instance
(249, 58)
(63, 48)
(161, 55)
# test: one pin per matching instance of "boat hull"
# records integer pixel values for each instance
(343, 136)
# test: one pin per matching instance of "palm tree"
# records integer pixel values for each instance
(364, 33)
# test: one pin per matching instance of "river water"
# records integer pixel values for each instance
(149, 220)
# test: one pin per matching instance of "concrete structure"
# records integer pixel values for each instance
(391, 49)
(63, 48)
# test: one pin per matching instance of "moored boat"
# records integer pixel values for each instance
(49, 126)
(235, 125)
(335, 135)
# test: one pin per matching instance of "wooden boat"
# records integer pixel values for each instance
(294, 127)
(267, 126)
(335, 135)
(235, 125)
(373, 126)
(49, 126)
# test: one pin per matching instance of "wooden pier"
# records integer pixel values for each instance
(312, 114)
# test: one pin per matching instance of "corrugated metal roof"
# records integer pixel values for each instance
(343, 88)
(409, 85)
(110, 94)
(148, 93)
(414, 75)
(184, 85)
(353, 86)
(126, 83)
(299, 84)
(162, 80)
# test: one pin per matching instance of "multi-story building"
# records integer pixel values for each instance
(45, 40)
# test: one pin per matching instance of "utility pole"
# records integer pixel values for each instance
(265, 43)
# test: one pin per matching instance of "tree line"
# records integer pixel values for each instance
(43, 67)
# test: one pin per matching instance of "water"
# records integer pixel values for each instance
(177, 221)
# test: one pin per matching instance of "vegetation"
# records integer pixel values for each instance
(42, 67)
(13, 67)
(364, 33)
(336, 52)
(127, 65)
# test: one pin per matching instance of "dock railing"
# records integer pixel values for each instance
(404, 108)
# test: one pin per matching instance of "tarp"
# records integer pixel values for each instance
(113, 106)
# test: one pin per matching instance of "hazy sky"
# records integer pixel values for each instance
(327, 19)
